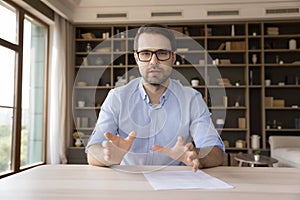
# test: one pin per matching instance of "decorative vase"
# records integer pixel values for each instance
(78, 142)
(81, 104)
(220, 123)
(232, 30)
(240, 144)
(99, 61)
(255, 141)
(195, 82)
(254, 58)
(85, 61)
(292, 44)
(88, 47)
(267, 82)
(256, 157)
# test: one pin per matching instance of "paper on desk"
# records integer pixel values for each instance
(171, 180)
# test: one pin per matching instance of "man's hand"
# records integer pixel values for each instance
(185, 153)
(116, 147)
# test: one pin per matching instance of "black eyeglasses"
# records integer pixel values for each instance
(161, 55)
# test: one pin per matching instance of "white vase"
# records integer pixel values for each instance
(220, 123)
(195, 82)
(81, 104)
(232, 30)
(254, 58)
(267, 82)
(292, 44)
(99, 61)
(255, 141)
(256, 157)
(78, 142)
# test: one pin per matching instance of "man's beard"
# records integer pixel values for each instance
(159, 81)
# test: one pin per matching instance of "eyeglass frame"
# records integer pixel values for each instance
(152, 53)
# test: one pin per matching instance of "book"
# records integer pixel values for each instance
(222, 46)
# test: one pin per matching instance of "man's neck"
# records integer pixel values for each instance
(155, 91)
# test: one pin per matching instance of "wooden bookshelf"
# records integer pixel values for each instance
(113, 57)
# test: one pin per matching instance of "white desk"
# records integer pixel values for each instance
(88, 182)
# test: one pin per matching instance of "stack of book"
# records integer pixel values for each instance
(224, 81)
(273, 31)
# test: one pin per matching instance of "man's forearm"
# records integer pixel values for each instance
(210, 157)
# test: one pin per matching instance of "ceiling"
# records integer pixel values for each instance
(139, 3)
(85, 11)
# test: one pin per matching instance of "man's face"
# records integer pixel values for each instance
(155, 71)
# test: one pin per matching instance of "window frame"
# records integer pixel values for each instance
(17, 123)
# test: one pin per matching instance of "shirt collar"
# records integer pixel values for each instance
(142, 91)
(164, 96)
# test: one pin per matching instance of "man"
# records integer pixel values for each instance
(154, 120)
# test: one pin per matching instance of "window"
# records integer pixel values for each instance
(33, 90)
(23, 64)
(8, 14)
(6, 106)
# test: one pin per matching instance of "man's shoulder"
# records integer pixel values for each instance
(128, 88)
(178, 88)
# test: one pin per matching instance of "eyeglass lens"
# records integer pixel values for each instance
(161, 55)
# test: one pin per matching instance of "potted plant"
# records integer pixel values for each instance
(195, 81)
(257, 155)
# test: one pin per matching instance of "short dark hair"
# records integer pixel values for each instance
(157, 29)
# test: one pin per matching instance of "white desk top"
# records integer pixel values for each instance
(88, 182)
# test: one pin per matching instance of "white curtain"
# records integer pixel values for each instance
(61, 74)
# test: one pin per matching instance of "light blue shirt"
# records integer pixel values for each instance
(181, 112)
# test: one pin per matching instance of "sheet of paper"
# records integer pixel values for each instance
(171, 180)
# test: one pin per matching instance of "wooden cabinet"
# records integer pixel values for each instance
(231, 61)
